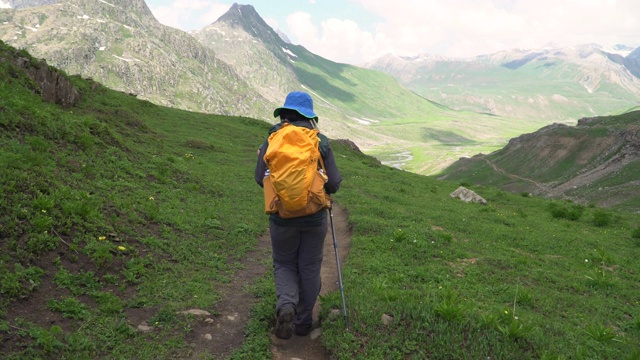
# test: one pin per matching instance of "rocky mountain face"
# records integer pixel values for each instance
(631, 61)
(596, 161)
(120, 44)
(554, 84)
(242, 39)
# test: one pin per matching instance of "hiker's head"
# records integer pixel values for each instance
(297, 106)
(291, 116)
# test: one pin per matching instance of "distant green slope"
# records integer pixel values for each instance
(534, 90)
(596, 161)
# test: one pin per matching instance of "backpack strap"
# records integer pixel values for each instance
(322, 162)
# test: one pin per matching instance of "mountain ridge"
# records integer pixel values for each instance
(547, 83)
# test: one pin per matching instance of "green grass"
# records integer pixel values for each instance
(119, 206)
(470, 281)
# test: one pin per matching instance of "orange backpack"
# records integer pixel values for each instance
(294, 185)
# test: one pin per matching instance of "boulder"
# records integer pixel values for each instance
(467, 195)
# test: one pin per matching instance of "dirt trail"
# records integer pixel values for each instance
(310, 347)
(498, 169)
(220, 334)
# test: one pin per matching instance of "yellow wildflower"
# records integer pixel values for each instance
(122, 248)
(101, 238)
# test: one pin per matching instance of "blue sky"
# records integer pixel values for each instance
(356, 31)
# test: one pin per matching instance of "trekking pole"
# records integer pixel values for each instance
(335, 247)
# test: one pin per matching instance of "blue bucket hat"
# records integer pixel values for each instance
(299, 101)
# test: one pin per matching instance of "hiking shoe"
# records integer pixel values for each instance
(303, 329)
(284, 324)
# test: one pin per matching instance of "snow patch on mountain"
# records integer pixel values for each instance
(125, 59)
(102, 1)
(288, 52)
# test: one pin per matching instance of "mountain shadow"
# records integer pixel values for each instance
(444, 137)
(319, 82)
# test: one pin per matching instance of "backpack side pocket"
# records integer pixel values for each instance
(270, 196)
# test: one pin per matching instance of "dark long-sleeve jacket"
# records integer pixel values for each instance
(331, 187)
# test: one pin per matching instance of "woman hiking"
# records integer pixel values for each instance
(297, 242)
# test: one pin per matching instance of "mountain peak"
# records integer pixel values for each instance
(247, 18)
(241, 14)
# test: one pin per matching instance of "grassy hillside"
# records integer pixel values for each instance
(114, 213)
(119, 211)
(594, 162)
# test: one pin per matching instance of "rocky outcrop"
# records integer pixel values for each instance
(53, 85)
(350, 144)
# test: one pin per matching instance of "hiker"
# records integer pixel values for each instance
(297, 243)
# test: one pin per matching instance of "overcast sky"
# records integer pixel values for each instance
(356, 31)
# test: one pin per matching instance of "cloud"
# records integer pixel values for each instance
(466, 28)
(273, 23)
(458, 28)
(303, 29)
(189, 14)
(335, 39)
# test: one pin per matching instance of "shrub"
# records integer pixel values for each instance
(572, 212)
(601, 218)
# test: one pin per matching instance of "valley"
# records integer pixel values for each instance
(437, 109)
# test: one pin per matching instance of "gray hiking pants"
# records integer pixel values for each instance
(297, 260)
